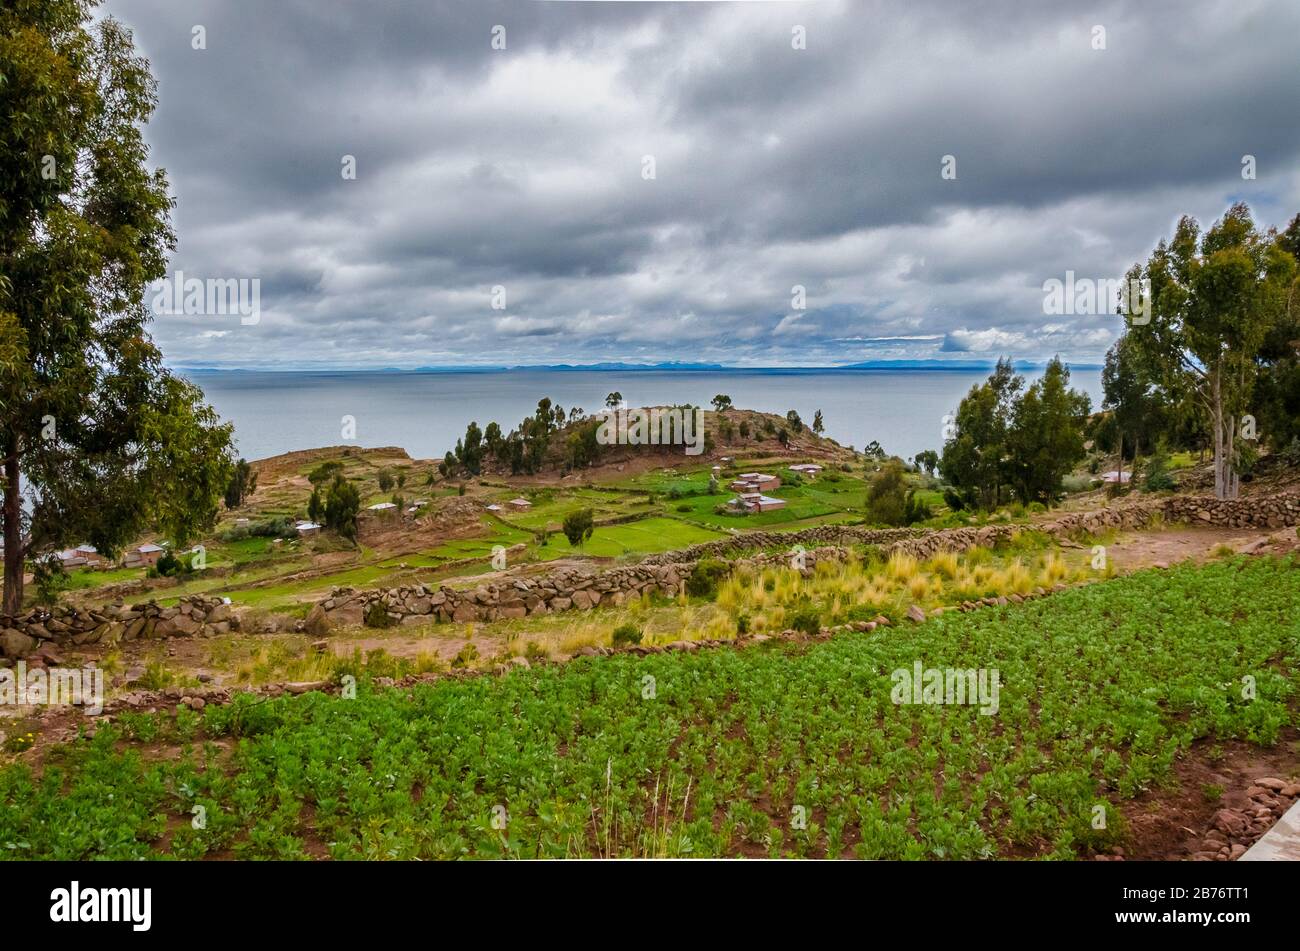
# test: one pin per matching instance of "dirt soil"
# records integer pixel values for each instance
(1171, 823)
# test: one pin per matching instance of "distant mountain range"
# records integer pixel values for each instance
(965, 366)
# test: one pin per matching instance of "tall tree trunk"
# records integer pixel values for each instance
(1220, 458)
(13, 524)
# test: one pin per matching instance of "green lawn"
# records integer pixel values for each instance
(1102, 688)
(642, 537)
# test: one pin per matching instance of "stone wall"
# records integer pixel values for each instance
(1262, 512)
(586, 587)
(68, 626)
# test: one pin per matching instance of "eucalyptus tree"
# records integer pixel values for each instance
(98, 441)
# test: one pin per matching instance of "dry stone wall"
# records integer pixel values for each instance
(583, 588)
(64, 626)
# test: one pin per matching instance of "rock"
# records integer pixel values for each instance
(318, 622)
(1230, 822)
(1236, 852)
(47, 654)
(1292, 791)
(916, 613)
(203, 677)
(520, 662)
(14, 643)
(1271, 784)
(301, 687)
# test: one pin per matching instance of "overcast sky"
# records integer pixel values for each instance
(773, 167)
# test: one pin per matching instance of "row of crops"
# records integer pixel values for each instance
(778, 749)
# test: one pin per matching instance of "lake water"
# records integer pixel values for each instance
(425, 412)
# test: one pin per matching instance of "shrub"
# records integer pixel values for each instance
(806, 619)
(625, 634)
(168, 565)
(952, 498)
(1156, 477)
(377, 616)
(683, 507)
(464, 657)
(578, 526)
(742, 624)
(1076, 483)
(704, 577)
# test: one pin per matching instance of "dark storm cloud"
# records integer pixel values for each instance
(775, 167)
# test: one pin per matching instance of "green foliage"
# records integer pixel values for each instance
(625, 634)
(721, 403)
(1138, 672)
(325, 473)
(50, 580)
(243, 482)
(578, 526)
(806, 619)
(704, 577)
(1219, 302)
(386, 480)
(1156, 477)
(342, 504)
(377, 616)
(1005, 435)
(889, 499)
(104, 439)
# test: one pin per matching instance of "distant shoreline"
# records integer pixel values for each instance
(895, 366)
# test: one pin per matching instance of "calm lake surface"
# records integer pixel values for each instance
(425, 412)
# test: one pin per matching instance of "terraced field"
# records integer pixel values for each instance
(785, 748)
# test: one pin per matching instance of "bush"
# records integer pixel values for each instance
(169, 566)
(625, 634)
(1156, 477)
(578, 526)
(704, 577)
(464, 657)
(952, 498)
(1076, 483)
(806, 620)
(377, 616)
(742, 624)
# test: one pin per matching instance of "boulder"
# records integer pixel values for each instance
(318, 622)
(14, 643)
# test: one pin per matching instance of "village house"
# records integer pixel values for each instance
(382, 507)
(808, 469)
(750, 502)
(520, 504)
(750, 482)
(307, 528)
(142, 556)
(492, 507)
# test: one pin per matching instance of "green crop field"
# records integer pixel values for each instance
(708, 753)
(639, 537)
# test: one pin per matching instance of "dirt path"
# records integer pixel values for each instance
(1145, 548)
